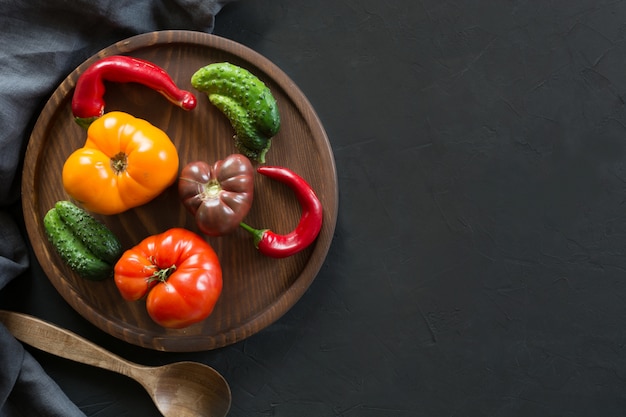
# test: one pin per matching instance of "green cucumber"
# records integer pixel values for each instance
(246, 101)
(76, 238)
(99, 239)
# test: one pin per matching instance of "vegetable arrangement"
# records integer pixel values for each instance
(126, 162)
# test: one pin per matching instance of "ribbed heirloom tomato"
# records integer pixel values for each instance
(177, 271)
(124, 163)
(219, 195)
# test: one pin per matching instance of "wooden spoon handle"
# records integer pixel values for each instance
(63, 343)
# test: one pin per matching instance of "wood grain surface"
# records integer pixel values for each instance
(257, 290)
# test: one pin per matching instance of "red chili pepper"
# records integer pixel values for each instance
(280, 246)
(88, 100)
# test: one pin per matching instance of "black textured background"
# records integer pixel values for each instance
(478, 267)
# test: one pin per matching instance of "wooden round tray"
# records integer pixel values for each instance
(257, 290)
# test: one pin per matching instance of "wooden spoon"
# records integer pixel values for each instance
(180, 389)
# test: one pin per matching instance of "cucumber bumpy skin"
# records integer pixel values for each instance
(99, 239)
(74, 249)
(247, 103)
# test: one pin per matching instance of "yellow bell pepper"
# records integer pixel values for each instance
(125, 163)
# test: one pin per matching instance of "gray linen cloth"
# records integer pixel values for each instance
(42, 42)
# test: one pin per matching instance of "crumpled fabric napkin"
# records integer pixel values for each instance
(42, 42)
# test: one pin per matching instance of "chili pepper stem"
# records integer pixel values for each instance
(256, 233)
(84, 122)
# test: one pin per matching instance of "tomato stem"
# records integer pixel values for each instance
(211, 190)
(119, 162)
(161, 275)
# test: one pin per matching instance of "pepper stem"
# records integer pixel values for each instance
(84, 122)
(256, 233)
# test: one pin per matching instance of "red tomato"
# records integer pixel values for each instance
(180, 273)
